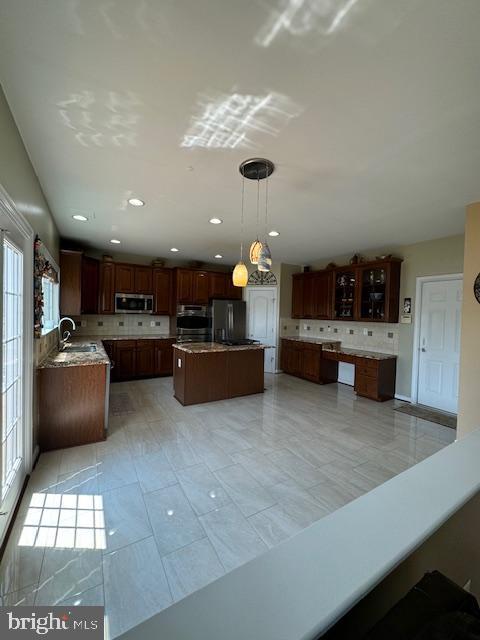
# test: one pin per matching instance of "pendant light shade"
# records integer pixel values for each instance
(240, 275)
(265, 258)
(255, 249)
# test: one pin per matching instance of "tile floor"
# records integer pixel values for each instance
(176, 496)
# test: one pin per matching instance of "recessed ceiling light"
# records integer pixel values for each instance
(115, 241)
(174, 249)
(80, 218)
(136, 202)
(274, 234)
(218, 256)
(215, 221)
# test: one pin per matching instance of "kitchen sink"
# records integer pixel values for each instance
(81, 348)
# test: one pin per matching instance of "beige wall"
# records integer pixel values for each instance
(435, 257)
(18, 178)
(469, 402)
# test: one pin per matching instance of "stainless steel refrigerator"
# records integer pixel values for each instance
(229, 320)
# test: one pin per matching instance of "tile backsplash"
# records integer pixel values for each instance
(121, 324)
(43, 345)
(371, 336)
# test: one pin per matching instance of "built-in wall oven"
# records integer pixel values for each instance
(133, 303)
(194, 323)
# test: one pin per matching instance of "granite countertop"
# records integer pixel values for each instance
(160, 336)
(214, 347)
(360, 353)
(322, 341)
(67, 358)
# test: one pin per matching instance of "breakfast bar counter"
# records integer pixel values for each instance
(209, 371)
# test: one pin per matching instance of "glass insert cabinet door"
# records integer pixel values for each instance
(373, 294)
(345, 288)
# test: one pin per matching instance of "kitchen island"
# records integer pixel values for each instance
(209, 371)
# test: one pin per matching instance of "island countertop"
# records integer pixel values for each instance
(214, 347)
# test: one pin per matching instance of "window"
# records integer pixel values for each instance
(50, 305)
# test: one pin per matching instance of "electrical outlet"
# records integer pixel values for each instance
(83, 323)
(329, 329)
(152, 323)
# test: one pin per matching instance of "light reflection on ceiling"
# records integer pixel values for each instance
(116, 125)
(301, 17)
(229, 121)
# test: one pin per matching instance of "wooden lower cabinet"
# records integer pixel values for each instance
(71, 406)
(140, 358)
(304, 360)
(145, 358)
(207, 377)
(164, 357)
(375, 379)
(125, 360)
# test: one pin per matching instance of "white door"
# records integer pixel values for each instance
(262, 321)
(439, 355)
(12, 460)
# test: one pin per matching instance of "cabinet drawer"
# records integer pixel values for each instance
(366, 386)
(368, 363)
(369, 372)
(329, 355)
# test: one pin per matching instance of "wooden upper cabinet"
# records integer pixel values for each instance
(106, 298)
(322, 295)
(184, 286)
(90, 276)
(308, 299)
(143, 280)
(231, 291)
(217, 285)
(200, 287)
(162, 291)
(124, 278)
(70, 283)
(365, 291)
(379, 291)
(297, 295)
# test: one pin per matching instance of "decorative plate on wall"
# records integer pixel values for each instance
(476, 288)
(263, 277)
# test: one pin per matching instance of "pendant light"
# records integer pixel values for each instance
(256, 245)
(240, 273)
(265, 256)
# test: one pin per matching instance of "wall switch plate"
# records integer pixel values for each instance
(365, 332)
(329, 329)
(83, 323)
(304, 327)
(179, 363)
(152, 323)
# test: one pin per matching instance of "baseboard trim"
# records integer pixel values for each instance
(35, 456)
(398, 396)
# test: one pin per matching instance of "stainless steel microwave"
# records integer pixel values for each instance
(133, 303)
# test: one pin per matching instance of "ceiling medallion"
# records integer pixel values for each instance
(262, 278)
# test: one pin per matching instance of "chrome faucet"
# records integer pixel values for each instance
(63, 339)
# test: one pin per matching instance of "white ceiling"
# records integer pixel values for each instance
(370, 110)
